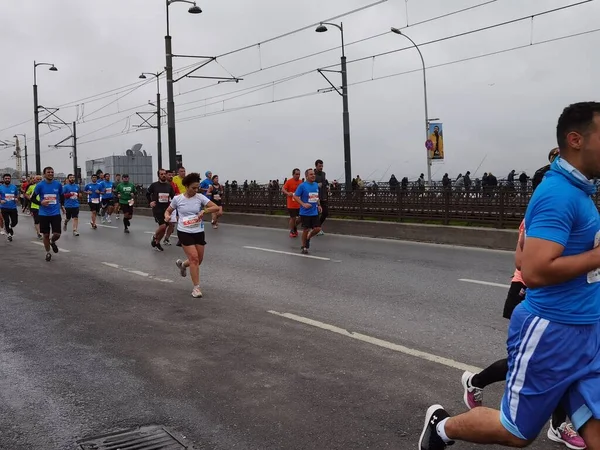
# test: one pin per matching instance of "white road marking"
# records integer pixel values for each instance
(137, 272)
(486, 283)
(287, 253)
(106, 226)
(380, 343)
(61, 250)
(149, 232)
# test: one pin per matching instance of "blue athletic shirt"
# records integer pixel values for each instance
(49, 191)
(561, 210)
(107, 188)
(205, 184)
(10, 194)
(71, 193)
(308, 193)
(93, 197)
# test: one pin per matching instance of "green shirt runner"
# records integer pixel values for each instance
(126, 191)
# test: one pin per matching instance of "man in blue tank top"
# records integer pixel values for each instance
(554, 334)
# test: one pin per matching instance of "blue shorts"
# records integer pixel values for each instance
(549, 363)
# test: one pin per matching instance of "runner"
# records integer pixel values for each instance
(9, 194)
(215, 193)
(117, 203)
(321, 179)
(50, 195)
(178, 180)
(206, 183)
(553, 345)
(126, 194)
(71, 206)
(190, 208)
(34, 207)
(560, 429)
(159, 196)
(108, 201)
(93, 196)
(24, 186)
(307, 196)
(293, 207)
(173, 222)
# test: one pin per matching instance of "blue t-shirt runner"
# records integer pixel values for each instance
(49, 193)
(8, 195)
(106, 187)
(93, 190)
(71, 193)
(308, 192)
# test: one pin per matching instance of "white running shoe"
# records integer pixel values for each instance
(197, 293)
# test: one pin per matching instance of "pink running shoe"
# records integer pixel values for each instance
(565, 434)
(473, 395)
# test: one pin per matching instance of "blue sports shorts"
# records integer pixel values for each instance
(549, 363)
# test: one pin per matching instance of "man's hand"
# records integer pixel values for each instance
(45, 202)
(320, 209)
(3, 201)
(306, 205)
(167, 217)
(201, 214)
(152, 204)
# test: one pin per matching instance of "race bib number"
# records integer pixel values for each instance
(9, 197)
(95, 200)
(51, 198)
(74, 195)
(313, 197)
(594, 275)
(217, 197)
(108, 191)
(163, 198)
(191, 222)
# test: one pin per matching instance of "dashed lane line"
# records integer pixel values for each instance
(268, 250)
(61, 250)
(485, 283)
(380, 343)
(137, 272)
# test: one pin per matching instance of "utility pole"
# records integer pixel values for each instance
(73, 147)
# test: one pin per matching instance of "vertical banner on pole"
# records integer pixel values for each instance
(435, 142)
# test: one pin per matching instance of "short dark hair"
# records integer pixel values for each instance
(7, 175)
(70, 175)
(577, 117)
(125, 175)
(318, 161)
(294, 171)
(117, 174)
(107, 174)
(46, 169)
(215, 176)
(190, 178)
(158, 171)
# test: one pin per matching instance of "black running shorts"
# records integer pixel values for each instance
(189, 239)
(50, 222)
(310, 222)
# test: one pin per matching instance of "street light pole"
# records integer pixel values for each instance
(398, 31)
(38, 162)
(345, 114)
(158, 117)
(169, 70)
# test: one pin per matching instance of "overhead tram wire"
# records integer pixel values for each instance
(308, 94)
(74, 103)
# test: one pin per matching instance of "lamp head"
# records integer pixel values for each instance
(396, 30)
(142, 76)
(53, 68)
(321, 29)
(195, 9)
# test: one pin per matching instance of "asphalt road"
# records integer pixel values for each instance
(107, 336)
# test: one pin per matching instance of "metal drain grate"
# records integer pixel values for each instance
(142, 438)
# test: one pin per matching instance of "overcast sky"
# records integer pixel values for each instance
(499, 112)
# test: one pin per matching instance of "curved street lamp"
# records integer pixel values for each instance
(38, 162)
(194, 9)
(399, 32)
(322, 28)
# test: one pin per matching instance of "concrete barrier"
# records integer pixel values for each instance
(492, 238)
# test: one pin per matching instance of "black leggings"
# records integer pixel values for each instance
(324, 212)
(11, 218)
(497, 372)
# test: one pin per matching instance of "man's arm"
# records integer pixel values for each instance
(150, 192)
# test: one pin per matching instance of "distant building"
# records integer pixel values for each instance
(134, 162)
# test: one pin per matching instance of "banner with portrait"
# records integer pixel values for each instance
(435, 141)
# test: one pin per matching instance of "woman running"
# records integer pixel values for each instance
(190, 207)
(215, 191)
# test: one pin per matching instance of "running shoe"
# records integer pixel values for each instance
(159, 247)
(167, 242)
(473, 396)
(75, 233)
(118, 217)
(2, 232)
(304, 251)
(153, 242)
(430, 439)
(197, 293)
(40, 237)
(565, 434)
(9, 238)
(182, 268)
(320, 233)
(48, 256)
(54, 246)
(293, 235)
(126, 231)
